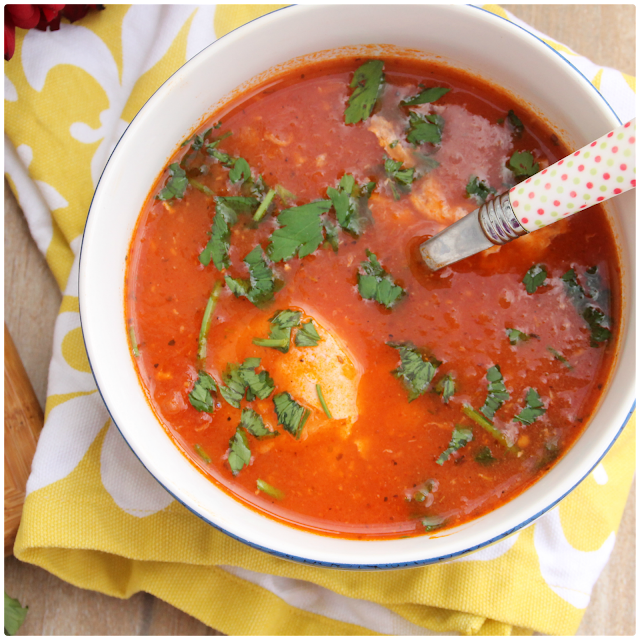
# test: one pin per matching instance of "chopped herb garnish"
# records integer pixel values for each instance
(535, 278)
(261, 285)
(307, 335)
(254, 424)
(216, 141)
(240, 171)
(291, 415)
(446, 387)
(374, 283)
(414, 371)
(432, 522)
(349, 201)
(206, 320)
(300, 231)
(201, 396)
(402, 177)
(134, 342)
(485, 457)
(322, 402)
(558, 356)
(332, 232)
(516, 123)
(239, 378)
(239, 451)
(521, 163)
(202, 453)
(366, 83)
(428, 95)
(459, 439)
(425, 128)
(264, 205)
(497, 393)
(269, 490)
(479, 189)
(533, 409)
(176, 185)
(394, 144)
(281, 325)
(515, 336)
(488, 426)
(285, 195)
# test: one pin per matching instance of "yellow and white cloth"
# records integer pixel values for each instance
(96, 518)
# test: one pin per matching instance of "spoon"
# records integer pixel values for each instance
(600, 170)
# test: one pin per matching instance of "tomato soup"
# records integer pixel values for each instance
(297, 350)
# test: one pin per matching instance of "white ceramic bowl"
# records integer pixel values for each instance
(464, 36)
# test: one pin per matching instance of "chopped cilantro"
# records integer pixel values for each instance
(479, 189)
(332, 234)
(521, 163)
(201, 187)
(393, 144)
(269, 490)
(264, 205)
(446, 387)
(533, 409)
(307, 335)
(488, 426)
(497, 393)
(202, 453)
(433, 522)
(515, 336)
(323, 402)
(300, 231)
(558, 356)
(281, 325)
(485, 457)
(254, 424)
(239, 378)
(428, 95)
(206, 319)
(459, 439)
(176, 185)
(374, 283)
(201, 396)
(134, 342)
(535, 278)
(425, 128)
(291, 415)
(400, 176)
(239, 451)
(240, 171)
(285, 195)
(349, 201)
(366, 83)
(261, 285)
(216, 141)
(414, 371)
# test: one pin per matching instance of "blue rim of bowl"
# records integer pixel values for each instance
(309, 561)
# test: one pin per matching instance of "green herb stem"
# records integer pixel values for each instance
(264, 205)
(134, 342)
(274, 344)
(201, 187)
(265, 487)
(488, 426)
(206, 320)
(202, 453)
(322, 402)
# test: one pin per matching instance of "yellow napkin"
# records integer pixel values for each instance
(94, 517)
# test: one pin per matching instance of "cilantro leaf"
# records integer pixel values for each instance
(485, 457)
(281, 325)
(239, 451)
(446, 387)
(533, 409)
(307, 335)
(515, 336)
(497, 393)
(261, 285)
(558, 356)
(332, 234)
(349, 201)
(414, 371)
(433, 522)
(374, 283)
(398, 175)
(367, 82)
(240, 171)
(176, 185)
(521, 163)
(459, 439)
(291, 415)
(428, 95)
(14, 615)
(300, 231)
(239, 378)
(254, 424)
(265, 487)
(201, 396)
(425, 128)
(515, 123)
(479, 189)
(535, 278)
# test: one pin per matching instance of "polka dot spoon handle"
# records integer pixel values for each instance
(597, 172)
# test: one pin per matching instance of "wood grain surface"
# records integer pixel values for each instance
(603, 33)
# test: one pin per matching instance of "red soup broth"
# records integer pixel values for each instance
(387, 464)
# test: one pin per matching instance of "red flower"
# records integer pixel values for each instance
(39, 16)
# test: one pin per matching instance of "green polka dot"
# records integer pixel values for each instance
(543, 198)
(527, 207)
(603, 145)
(619, 179)
(520, 190)
(620, 136)
(587, 154)
(554, 214)
(539, 223)
(553, 173)
(570, 163)
(536, 182)
(560, 189)
(610, 162)
(576, 181)
(586, 196)
(603, 188)
(569, 205)
(626, 153)
(593, 171)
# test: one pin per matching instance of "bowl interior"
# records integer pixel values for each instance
(463, 36)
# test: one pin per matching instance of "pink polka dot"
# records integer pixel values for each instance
(614, 149)
(632, 140)
(623, 167)
(547, 186)
(541, 212)
(609, 134)
(606, 176)
(512, 189)
(626, 125)
(516, 204)
(560, 162)
(577, 153)
(564, 176)
(556, 203)
(544, 171)
(599, 199)
(531, 194)
(597, 159)
(593, 144)
(581, 167)
(633, 183)
(617, 191)
(525, 220)
(582, 206)
(589, 185)
(573, 194)
(527, 181)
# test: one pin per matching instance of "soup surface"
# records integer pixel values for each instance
(297, 350)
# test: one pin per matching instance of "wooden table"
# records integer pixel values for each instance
(603, 33)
